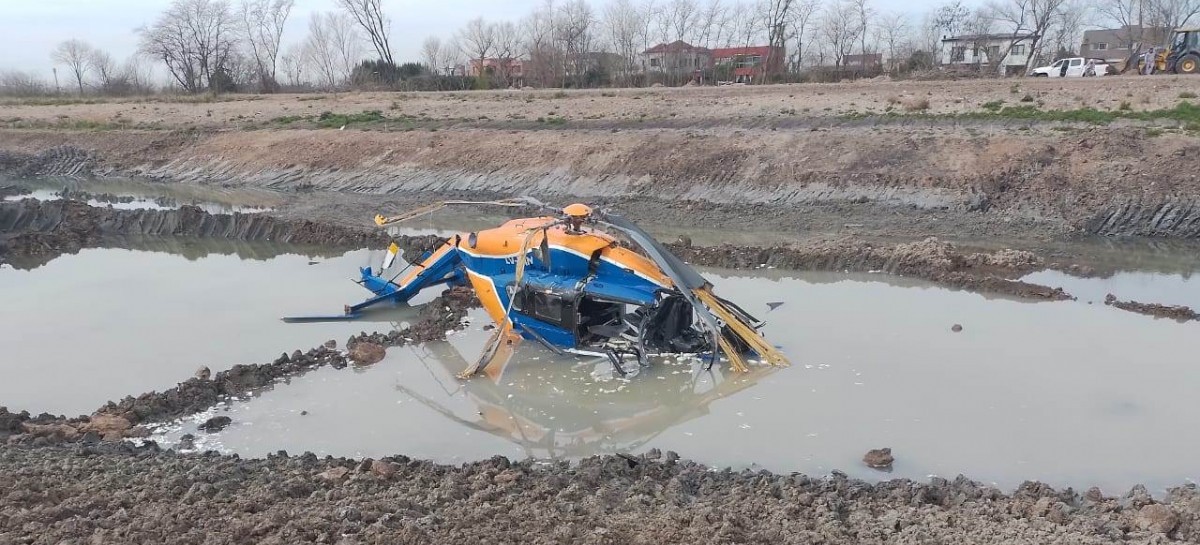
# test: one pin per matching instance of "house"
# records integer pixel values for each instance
(510, 70)
(746, 64)
(1116, 45)
(988, 51)
(866, 62)
(678, 57)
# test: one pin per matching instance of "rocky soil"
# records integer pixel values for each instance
(117, 493)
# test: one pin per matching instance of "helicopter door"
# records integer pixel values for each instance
(552, 312)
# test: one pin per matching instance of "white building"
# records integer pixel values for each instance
(988, 52)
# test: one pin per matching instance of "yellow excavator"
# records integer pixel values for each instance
(1181, 57)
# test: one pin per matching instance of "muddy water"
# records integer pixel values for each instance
(102, 324)
(134, 194)
(1142, 286)
(1068, 393)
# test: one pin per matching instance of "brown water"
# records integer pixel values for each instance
(87, 328)
(1068, 393)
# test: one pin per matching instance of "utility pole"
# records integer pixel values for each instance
(56, 89)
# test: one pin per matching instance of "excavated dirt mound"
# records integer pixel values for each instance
(107, 493)
(36, 228)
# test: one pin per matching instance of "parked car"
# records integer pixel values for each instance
(1076, 67)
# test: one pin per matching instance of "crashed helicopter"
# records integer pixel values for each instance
(561, 280)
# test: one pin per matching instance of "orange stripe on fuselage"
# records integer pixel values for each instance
(436, 255)
(507, 239)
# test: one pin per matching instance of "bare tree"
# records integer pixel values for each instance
(507, 48)
(478, 39)
(622, 23)
(105, 69)
(1032, 18)
(802, 18)
(681, 18)
(573, 29)
(951, 18)
(369, 15)
(891, 32)
(137, 74)
(1173, 14)
(262, 24)
(1066, 30)
(865, 14)
(194, 39)
(431, 52)
(777, 14)
(839, 26)
(712, 23)
(291, 64)
(537, 30)
(21, 84)
(77, 55)
(332, 48)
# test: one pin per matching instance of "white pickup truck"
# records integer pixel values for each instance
(1075, 67)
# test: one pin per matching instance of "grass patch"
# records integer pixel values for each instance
(330, 120)
(993, 106)
(1187, 94)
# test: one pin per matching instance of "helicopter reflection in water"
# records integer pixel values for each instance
(553, 407)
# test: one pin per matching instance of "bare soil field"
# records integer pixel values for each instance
(848, 177)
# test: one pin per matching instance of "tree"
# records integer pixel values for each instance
(478, 40)
(537, 30)
(194, 39)
(951, 18)
(105, 69)
(1033, 18)
(839, 26)
(865, 13)
(712, 23)
(291, 63)
(573, 30)
(369, 15)
(777, 13)
(891, 32)
(78, 57)
(332, 48)
(801, 21)
(507, 49)
(262, 24)
(622, 23)
(1173, 14)
(431, 52)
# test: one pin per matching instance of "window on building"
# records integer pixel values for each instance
(1099, 46)
(958, 54)
(1018, 49)
(993, 53)
(654, 62)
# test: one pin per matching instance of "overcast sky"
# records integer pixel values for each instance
(29, 29)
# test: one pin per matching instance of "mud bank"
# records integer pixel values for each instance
(117, 492)
(35, 228)
(930, 259)
(1179, 313)
(1094, 180)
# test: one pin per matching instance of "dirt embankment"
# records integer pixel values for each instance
(34, 228)
(119, 493)
(1179, 313)
(701, 157)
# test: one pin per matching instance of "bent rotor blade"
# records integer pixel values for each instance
(686, 279)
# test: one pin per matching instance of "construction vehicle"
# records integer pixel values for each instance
(1181, 57)
(561, 281)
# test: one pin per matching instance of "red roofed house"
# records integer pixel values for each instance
(748, 64)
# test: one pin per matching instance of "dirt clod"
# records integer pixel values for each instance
(367, 353)
(215, 424)
(879, 458)
(1157, 518)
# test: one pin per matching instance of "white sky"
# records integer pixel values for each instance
(29, 29)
